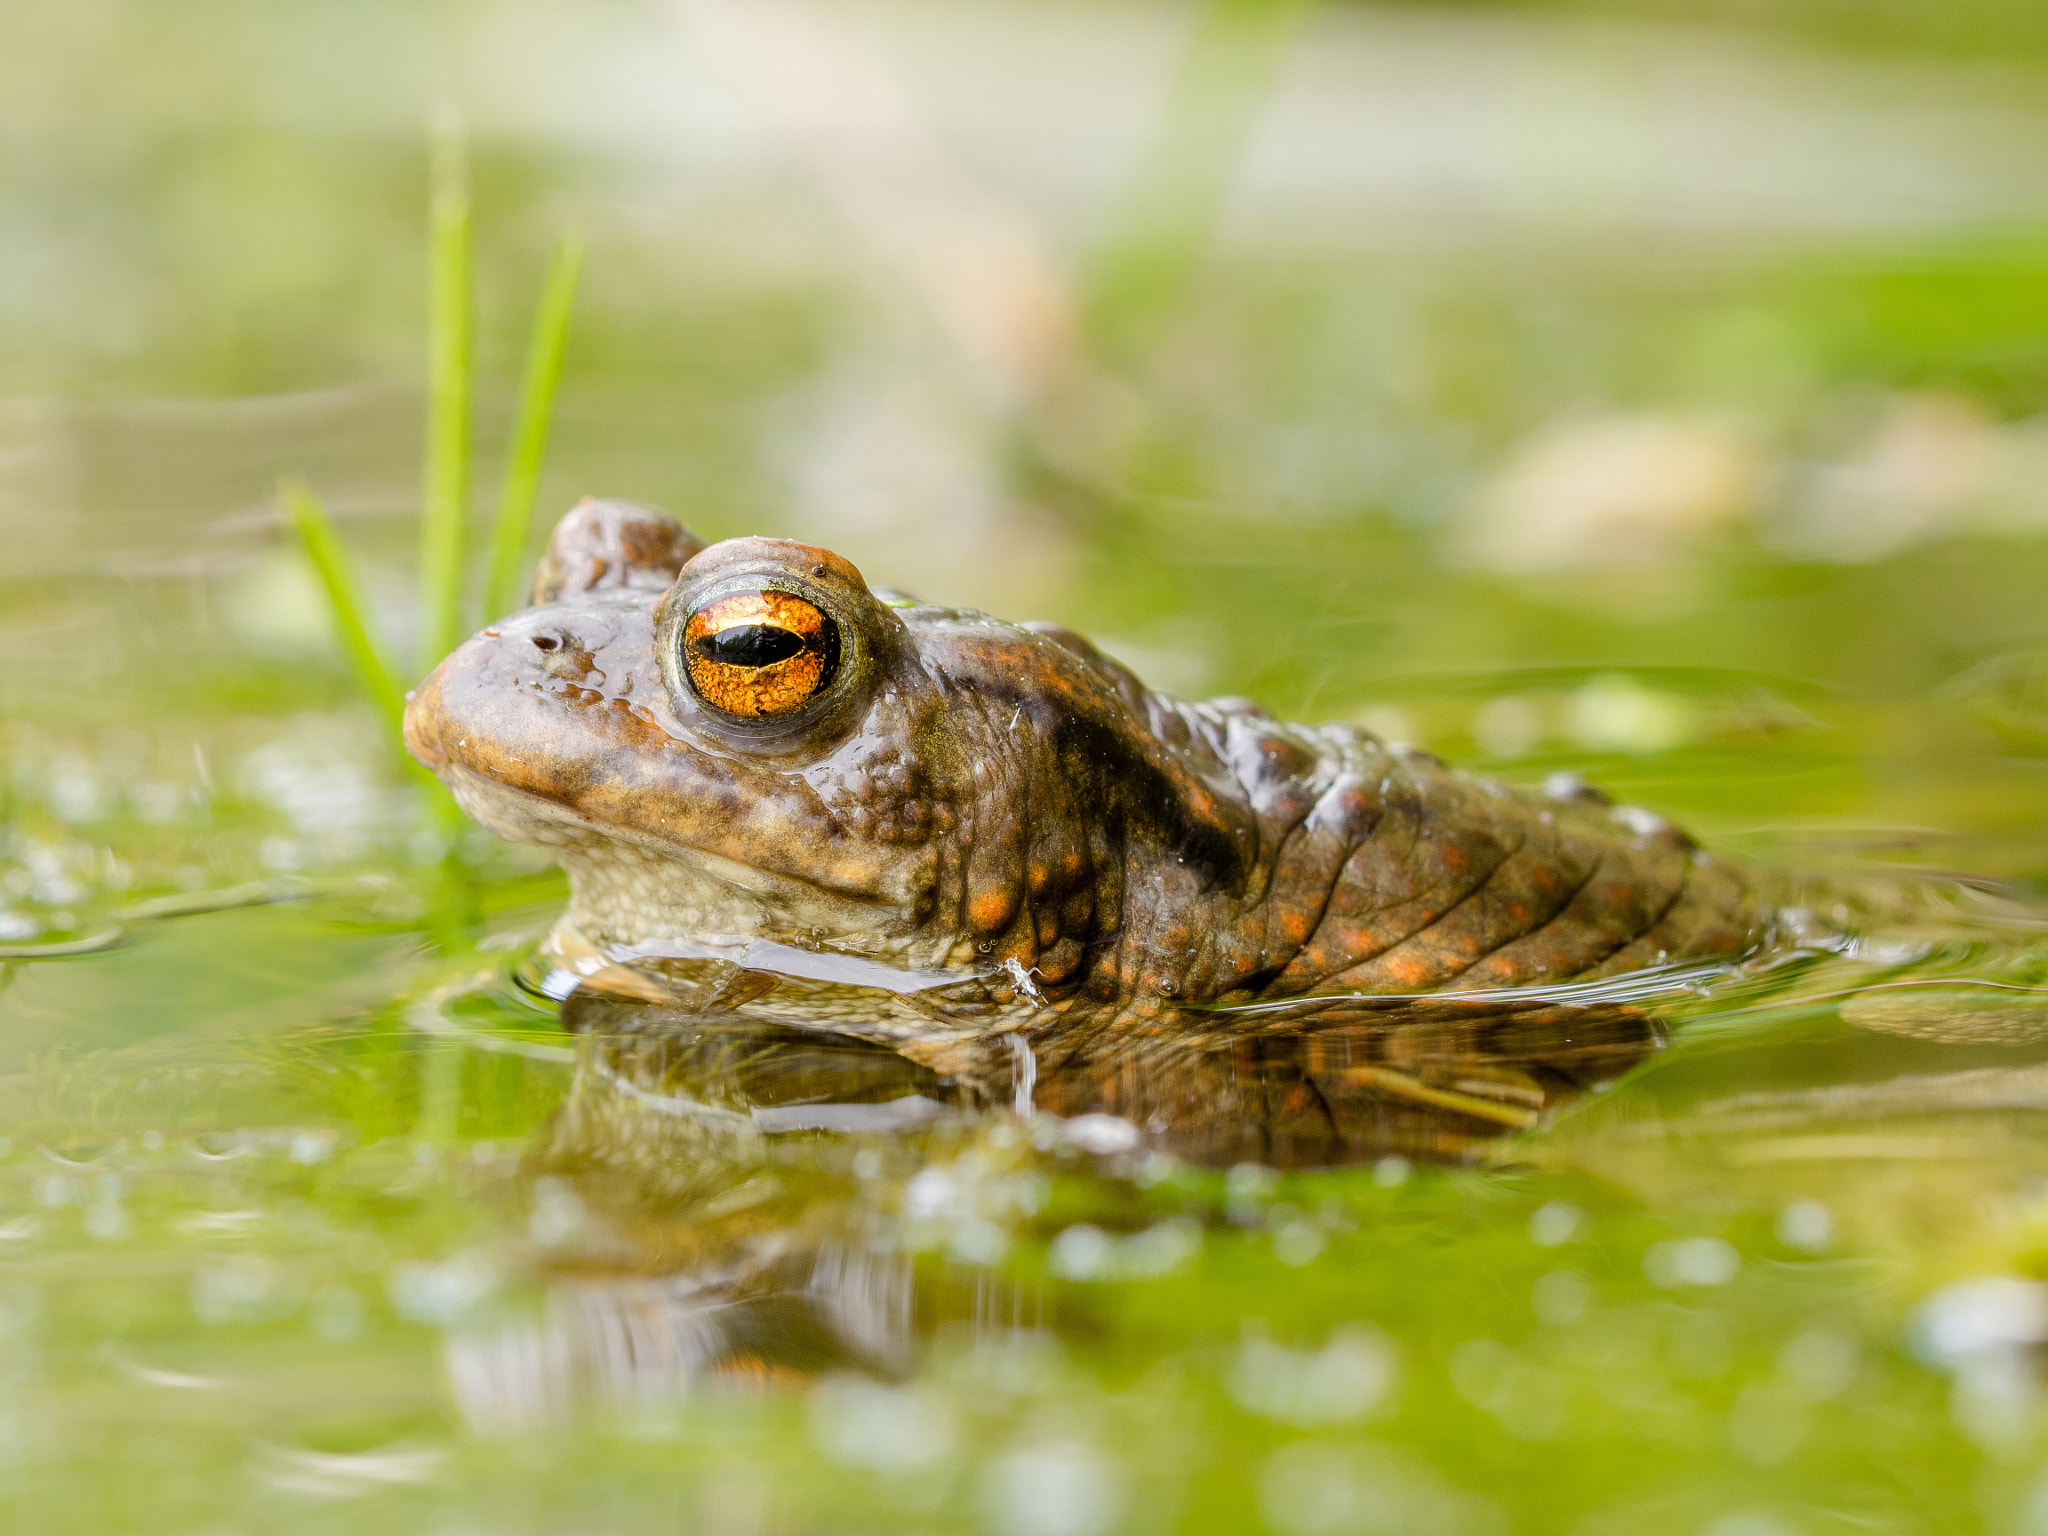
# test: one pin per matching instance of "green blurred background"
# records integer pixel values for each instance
(1296, 349)
(1394, 360)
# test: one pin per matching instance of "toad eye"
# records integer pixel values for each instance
(760, 654)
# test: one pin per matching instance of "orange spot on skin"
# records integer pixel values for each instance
(990, 911)
(1059, 962)
(1408, 971)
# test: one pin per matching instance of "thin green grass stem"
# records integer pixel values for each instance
(445, 515)
(352, 626)
(538, 386)
(345, 601)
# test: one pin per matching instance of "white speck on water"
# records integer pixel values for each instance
(1555, 1223)
(1314, 1489)
(1561, 1297)
(1807, 1225)
(863, 1423)
(1084, 1251)
(1992, 1314)
(439, 1293)
(1297, 1243)
(1339, 1383)
(1060, 1488)
(1701, 1261)
(1821, 1362)
(557, 1214)
(1102, 1134)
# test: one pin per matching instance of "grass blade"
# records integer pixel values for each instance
(444, 520)
(537, 389)
(345, 601)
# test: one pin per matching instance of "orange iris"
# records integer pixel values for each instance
(760, 654)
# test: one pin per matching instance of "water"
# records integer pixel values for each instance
(317, 1213)
(316, 1217)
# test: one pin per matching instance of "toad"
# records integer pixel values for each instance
(744, 751)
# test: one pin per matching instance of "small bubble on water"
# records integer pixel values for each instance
(1699, 1261)
(977, 1240)
(1807, 1225)
(1555, 1223)
(1342, 1381)
(887, 1429)
(1977, 1318)
(241, 1286)
(1561, 1297)
(1155, 1168)
(1821, 1362)
(935, 1193)
(1058, 1489)
(557, 1214)
(1081, 1252)
(281, 855)
(1311, 1489)
(1248, 1182)
(1102, 1134)
(439, 1293)
(1297, 1243)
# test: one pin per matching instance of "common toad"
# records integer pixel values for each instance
(743, 749)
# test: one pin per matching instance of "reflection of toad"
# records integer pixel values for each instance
(724, 1203)
(742, 745)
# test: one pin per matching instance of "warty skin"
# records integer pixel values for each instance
(1003, 800)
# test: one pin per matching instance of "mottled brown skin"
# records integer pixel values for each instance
(601, 546)
(967, 793)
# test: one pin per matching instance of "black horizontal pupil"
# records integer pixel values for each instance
(750, 645)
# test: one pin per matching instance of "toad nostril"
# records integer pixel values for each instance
(546, 643)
